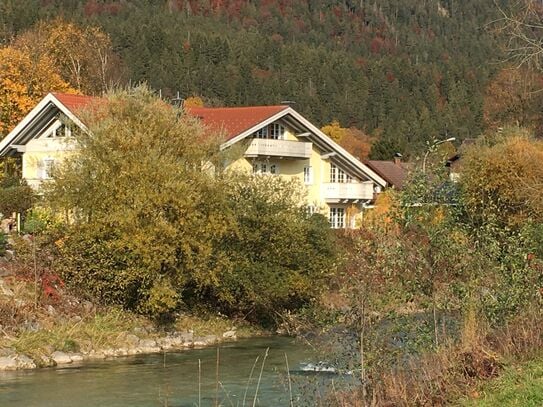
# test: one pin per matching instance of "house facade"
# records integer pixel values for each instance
(275, 141)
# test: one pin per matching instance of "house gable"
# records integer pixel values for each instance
(40, 118)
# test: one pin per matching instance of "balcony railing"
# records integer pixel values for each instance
(348, 191)
(278, 148)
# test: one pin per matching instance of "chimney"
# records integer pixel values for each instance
(397, 158)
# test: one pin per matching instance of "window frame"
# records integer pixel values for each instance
(337, 217)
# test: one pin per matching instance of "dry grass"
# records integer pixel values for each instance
(455, 370)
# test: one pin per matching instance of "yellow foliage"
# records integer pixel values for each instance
(334, 131)
(505, 178)
(193, 101)
(381, 213)
(24, 80)
(82, 55)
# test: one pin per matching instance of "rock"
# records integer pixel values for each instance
(8, 363)
(51, 310)
(171, 342)
(24, 362)
(121, 352)
(9, 255)
(45, 361)
(16, 362)
(76, 357)
(96, 355)
(61, 358)
(148, 346)
(229, 334)
(205, 341)
(132, 340)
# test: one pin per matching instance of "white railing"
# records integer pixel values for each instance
(278, 148)
(348, 190)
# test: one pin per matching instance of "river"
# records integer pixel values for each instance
(172, 379)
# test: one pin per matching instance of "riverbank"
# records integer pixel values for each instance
(61, 329)
(519, 385)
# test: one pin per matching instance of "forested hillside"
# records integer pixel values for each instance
(402, 71)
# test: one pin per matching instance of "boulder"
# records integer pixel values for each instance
(205, 340)
(8, 363)
(229, 334)
(16, 362)
(76, 357)
(148, 346)
(61, 358)
(24, 362)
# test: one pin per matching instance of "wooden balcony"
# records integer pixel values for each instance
(349, 191)
(278, 148)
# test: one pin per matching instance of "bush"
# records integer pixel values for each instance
(153, 232)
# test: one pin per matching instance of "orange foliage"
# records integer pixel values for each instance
(381, 212)
(82, 55)
(512, 98)
(353, 140)
(193, 101)
(24, 80)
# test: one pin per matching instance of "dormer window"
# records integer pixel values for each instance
(59, 131)
(273, 131)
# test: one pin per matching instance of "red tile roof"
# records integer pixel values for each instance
(234, 120)
(391, 172)
(74, 102)
(231, 120)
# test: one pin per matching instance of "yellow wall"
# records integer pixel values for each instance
(43, 148)
(38, 150)
(294, 168)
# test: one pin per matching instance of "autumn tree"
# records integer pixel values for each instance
(513, 97)
(24, 80)
(83, 55)
(502, 179)
(334, 131)
(193, 101)
(155, 227)
(351, 139)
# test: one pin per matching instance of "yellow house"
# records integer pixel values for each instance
(276, 140)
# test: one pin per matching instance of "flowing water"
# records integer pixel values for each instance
(173, 379)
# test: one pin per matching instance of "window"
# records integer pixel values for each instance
(310, 209)
(337, 218)
(308, 175)
(274, 131)
(333, 173)
(277, 131)
(338, 175)
(262, 133)
(48, 168)
(260, 167)
(60, 131)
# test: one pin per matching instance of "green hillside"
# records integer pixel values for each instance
(405, 71)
